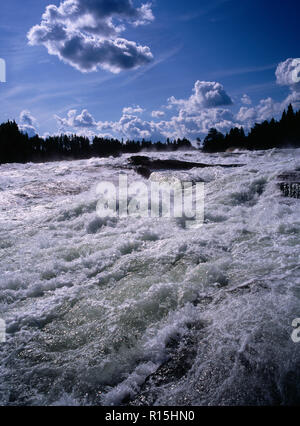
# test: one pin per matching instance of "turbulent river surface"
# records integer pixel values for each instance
(140, 311)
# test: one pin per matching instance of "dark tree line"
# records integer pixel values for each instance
(17, 147)
(284, 133)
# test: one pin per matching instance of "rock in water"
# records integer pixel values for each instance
(290, 184)
(145, 165)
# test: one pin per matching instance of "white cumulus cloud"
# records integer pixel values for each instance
(206, 94)
(27, 123)
(86, 34)
(158, 114)
(83, 120)
(246, 100)
(207, 107)
(288, 73)
(133, 110)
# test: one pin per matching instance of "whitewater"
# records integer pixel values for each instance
(141, 311)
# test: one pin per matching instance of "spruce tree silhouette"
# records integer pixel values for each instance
(284, 133)
(17, 147)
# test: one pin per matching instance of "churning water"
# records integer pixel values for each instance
(145, 311)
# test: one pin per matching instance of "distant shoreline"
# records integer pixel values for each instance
(17, 147)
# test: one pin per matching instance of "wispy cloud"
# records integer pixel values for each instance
(260, 87)
(240, 71)
(208, 8)
(160, 59)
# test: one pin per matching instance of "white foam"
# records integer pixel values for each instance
(91, 304)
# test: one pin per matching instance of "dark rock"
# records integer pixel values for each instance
(145, 165)
(289, 183)
(143, 171)
(177, 366)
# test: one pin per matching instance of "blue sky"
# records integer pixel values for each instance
(182, 53)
